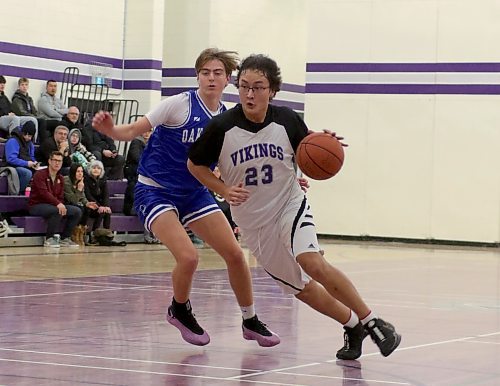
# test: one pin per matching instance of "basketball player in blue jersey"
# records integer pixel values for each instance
(168, 198)
(254, 145)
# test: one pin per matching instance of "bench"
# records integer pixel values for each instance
(119, 223)
(38, 225)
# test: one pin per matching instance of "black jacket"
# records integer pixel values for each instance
(95, 141)
(96, 190)
(23, 105)
(134, 154)
(48, 146)
(5, 105)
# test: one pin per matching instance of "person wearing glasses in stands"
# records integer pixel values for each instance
(72, 119)
(47, 200)
(169, 199)
(254, 147)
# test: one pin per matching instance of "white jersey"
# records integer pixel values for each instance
(262, 156)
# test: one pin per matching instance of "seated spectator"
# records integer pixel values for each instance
(47, 200)
(134, 154)
(133, 157)
(49, 105)
(23, 106)
(78, 152)
(74, 194)
(72, 119)
(104, 148)
(51, 108)
(96, 190)
(58, 142)
(8, 120)
(20, 154)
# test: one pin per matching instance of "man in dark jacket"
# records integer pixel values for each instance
(133, 157)
(104, 148)
(58, 142)
(72, 119)
(47, 200)
(20, 154)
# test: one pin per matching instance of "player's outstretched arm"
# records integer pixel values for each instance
(103, 122)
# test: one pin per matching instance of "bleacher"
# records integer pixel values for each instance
(89, 98)
(29, 230)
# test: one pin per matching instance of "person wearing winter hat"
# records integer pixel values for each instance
(96, 190)
(20, 154)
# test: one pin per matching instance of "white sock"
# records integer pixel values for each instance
(353, 320)
(248, 312)
(368, 317)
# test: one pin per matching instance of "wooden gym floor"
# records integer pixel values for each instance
(95, 316)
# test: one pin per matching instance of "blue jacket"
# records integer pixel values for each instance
(17, 151)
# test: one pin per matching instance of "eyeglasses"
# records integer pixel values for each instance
(255, 89)
(56, 160)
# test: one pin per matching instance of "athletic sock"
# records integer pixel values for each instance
(353, 320)
(181, 308)
(371, 315)
(248, 312)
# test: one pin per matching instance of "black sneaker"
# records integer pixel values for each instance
(383, 335)
(254, 329)
(190, 330)
(353, 341)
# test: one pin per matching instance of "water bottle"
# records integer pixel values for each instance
(27, 192)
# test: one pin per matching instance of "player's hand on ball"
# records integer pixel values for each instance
(304, 183)
(237, 194)
(333, 134)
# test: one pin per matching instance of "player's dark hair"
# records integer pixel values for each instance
(264, 64)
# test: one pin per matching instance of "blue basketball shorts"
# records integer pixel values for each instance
(151, 201)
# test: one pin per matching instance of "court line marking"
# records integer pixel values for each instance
(146, 372)
(123, 359)
(372, 354)
(346, 378)
(239, 377)
(69, 292)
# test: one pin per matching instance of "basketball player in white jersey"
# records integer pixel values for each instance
(168, 198)
(254, 145)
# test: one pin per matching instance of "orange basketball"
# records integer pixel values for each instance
(320, 156)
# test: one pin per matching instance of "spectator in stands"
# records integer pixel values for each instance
(50, 107)
(47, 200)
(96, 190)
(8, 120)
(74, 194)
(72, 118)
(58, 142)
(104, 148)
(130, 171)
(133, 157)
(20, 153)
(78, 152)
(23, 105)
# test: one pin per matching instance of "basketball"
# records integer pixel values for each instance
(320, 156)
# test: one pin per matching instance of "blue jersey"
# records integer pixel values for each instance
(164, 159)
